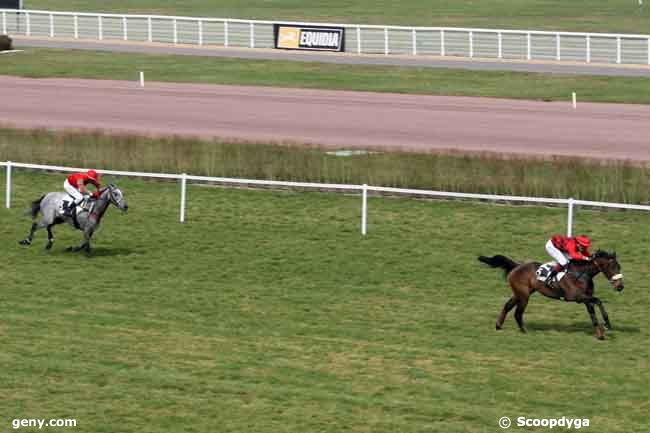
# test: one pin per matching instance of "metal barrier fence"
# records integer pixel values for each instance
(360, 39)
(363, 189)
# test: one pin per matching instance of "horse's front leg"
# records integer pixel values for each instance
(85, 245)
(88, 233)
(600, 332)
(598, 302)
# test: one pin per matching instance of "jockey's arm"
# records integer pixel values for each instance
(575, 254)
(81, 187)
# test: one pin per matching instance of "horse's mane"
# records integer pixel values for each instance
(604, 254)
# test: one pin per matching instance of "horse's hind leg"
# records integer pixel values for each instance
(509, 305)
(50, 237)
(519, 313)
(30, 236)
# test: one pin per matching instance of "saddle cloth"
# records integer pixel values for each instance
(85, 205)
(544, 270)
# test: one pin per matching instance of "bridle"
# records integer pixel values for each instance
(614, 278)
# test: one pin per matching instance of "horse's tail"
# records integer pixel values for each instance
(499, 261)
(36, 207)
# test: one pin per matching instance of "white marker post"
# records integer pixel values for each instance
(141, 79)
(573, 97)
(364, 210)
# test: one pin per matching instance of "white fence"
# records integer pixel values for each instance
(363, 189)
(360, 39)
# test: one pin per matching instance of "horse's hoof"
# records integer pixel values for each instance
(498, 327)
(70, 249)
(523, 330)
(600, 333)
(24, 242)
(48, 246)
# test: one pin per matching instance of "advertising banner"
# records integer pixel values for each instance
(290, 37)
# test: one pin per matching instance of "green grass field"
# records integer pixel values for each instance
(268, 312)
(37, 62)
(577, 15)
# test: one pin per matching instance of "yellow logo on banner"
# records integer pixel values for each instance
(288, 37)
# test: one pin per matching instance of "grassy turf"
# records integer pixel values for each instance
(37, 62)
(266, 311)
(577, 15)
(479, 173)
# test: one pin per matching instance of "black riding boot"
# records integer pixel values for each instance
(68, 209)
(556, 270)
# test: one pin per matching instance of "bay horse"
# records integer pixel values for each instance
(87, 220)
(576, 286)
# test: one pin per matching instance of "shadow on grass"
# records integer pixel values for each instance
(581, 327)
(105, 252)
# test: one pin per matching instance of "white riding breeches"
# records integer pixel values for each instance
(74, 192)
(558, 255)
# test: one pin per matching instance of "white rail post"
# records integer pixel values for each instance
(100, 29)
(8, 192)
(588, 49)
(149, 30)
(500, 45)
(200, 23)
(76, 26)
(385, 41)
(358, 39)
(183, 195)
(175, 24)
(618, 49)
(252, 44)
(364, 210)
(569, 225)
(648, 51)
(558, 56)
(125, 31)
(442, 43)
(573, 100)
(4, 22)
(28, 25)
(529, 51)
(471, 44)
(225, 34)
(51, 25)
(414, 40)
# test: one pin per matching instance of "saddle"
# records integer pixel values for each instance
(542, 273)
(84, 206)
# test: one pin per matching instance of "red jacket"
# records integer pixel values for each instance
(568, 245)
(80, 180)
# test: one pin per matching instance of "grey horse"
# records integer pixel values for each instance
(87, 220)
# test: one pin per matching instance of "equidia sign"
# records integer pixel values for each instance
(292, 37)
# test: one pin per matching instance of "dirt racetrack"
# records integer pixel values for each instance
(331, 118)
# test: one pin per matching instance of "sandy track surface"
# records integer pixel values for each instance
(331, 118)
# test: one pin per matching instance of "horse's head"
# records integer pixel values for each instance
(117, 198)
(608, 265)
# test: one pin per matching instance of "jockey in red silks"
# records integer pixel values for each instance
(75, 185)
(565, 248)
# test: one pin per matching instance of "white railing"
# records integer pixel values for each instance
(360, 39)
(363, 189)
